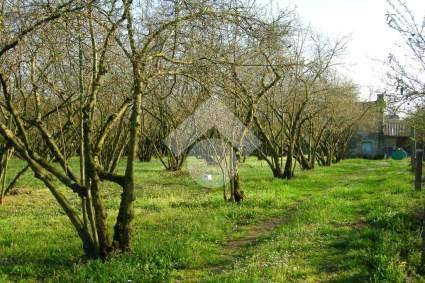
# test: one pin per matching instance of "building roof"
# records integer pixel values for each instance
(396, 128)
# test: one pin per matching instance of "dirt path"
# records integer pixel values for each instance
(236, 248)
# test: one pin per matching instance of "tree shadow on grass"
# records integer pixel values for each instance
(30, 267)
(345, 257)
(356, 252)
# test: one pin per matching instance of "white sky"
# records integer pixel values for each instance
(371, 40)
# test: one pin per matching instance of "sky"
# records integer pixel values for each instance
(363, 21)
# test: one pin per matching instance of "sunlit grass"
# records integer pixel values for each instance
(356, 221)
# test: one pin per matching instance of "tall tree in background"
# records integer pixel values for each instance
(408, 74)
(407, 71)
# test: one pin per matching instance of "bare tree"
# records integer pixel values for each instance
(406, 73)
(293, 102)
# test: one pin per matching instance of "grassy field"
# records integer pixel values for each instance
(356, 221)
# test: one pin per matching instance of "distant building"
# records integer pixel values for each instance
(379, 134)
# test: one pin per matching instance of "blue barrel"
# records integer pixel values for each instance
(399, 154)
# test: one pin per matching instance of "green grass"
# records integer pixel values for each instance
(356, 221)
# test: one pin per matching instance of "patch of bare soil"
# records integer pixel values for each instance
(353, 225)
(20, 191)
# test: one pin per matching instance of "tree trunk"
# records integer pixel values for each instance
(422, 268)
(238, 195)
(122, 228)
(288, 171)
(105, 243)
(235, 188)
(146, 150)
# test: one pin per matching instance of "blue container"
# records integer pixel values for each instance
(399, 154)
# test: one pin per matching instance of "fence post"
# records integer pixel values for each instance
(413, 162)
(418, 169)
